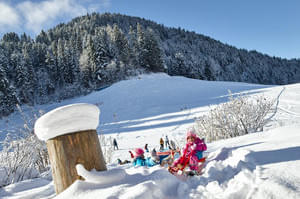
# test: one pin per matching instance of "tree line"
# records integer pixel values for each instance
(96, 50)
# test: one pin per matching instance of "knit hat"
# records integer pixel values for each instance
(191, 133)
(138, 152)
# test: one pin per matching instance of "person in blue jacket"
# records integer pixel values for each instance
(140, 160)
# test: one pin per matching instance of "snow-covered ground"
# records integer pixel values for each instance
(141, 110)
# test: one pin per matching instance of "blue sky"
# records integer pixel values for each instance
(268, 26)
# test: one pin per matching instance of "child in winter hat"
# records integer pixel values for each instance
(138, 152)
(139, 159)
(154, 156)
(192, 152)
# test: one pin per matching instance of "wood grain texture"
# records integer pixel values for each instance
(68, 150)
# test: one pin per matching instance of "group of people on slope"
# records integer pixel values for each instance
(166, 142)
(191, 154)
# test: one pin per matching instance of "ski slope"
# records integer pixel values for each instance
(143, 109)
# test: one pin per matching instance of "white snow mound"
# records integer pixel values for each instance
(67, 119)
(102, 177)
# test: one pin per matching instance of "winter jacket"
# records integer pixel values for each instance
(192, 153)
(161, 141)
(139, 161)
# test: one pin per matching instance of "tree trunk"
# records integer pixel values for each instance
(66, 151)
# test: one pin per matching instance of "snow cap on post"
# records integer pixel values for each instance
(67, 119)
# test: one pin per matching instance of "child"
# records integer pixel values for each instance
(120, 162)
(192, 153)
(139, 159)
(161, 142)
(115, 143)
(154, 156)
(167, 142)
(146, 148)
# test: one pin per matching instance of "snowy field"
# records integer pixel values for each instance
(139, 111)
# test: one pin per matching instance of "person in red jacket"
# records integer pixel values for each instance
(192, 153)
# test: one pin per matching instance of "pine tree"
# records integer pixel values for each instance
(103, 54)
(61, 63)
(88, 63)
(11, 37)
(133, 47)
(51, 69)
(178, 67)
(207, 71)
(69, 65)
(141, 40)
(150, 56)
(156, 63)
(92, 60)
(121, 44)
(85, 69)
(25, 38)
(8, 99)
(43, 86)
(42, 38)
(25, 78)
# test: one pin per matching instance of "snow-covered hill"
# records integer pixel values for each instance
(143, 109)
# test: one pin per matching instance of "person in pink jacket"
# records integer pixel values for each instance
(192, 153)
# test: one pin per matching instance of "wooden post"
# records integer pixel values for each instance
(71, 139)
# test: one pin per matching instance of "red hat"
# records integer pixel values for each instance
(138, 152)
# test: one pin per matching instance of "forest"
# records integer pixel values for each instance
(94, 51)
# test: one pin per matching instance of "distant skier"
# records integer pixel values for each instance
(167, 142)
(115, 144)
(146, 148)
(161, 142)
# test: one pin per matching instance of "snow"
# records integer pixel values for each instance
(107, 177)
(67, 119)
(141, 110)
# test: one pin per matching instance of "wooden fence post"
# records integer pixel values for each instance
(70, 133)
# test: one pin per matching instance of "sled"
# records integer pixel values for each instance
(182, 172)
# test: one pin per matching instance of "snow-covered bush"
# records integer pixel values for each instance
(239, 116)
(23, 156)
(21, 159)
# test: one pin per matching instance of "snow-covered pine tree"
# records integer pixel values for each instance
(178, 67)
(103, 54)
(27, 82)
(61, 62)
(121, 44)
(11, 37)
(51, 70)
(42, 38)
(68, 70)
(8, 99)
(150, 54)
(155, 53)
(133, 47)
